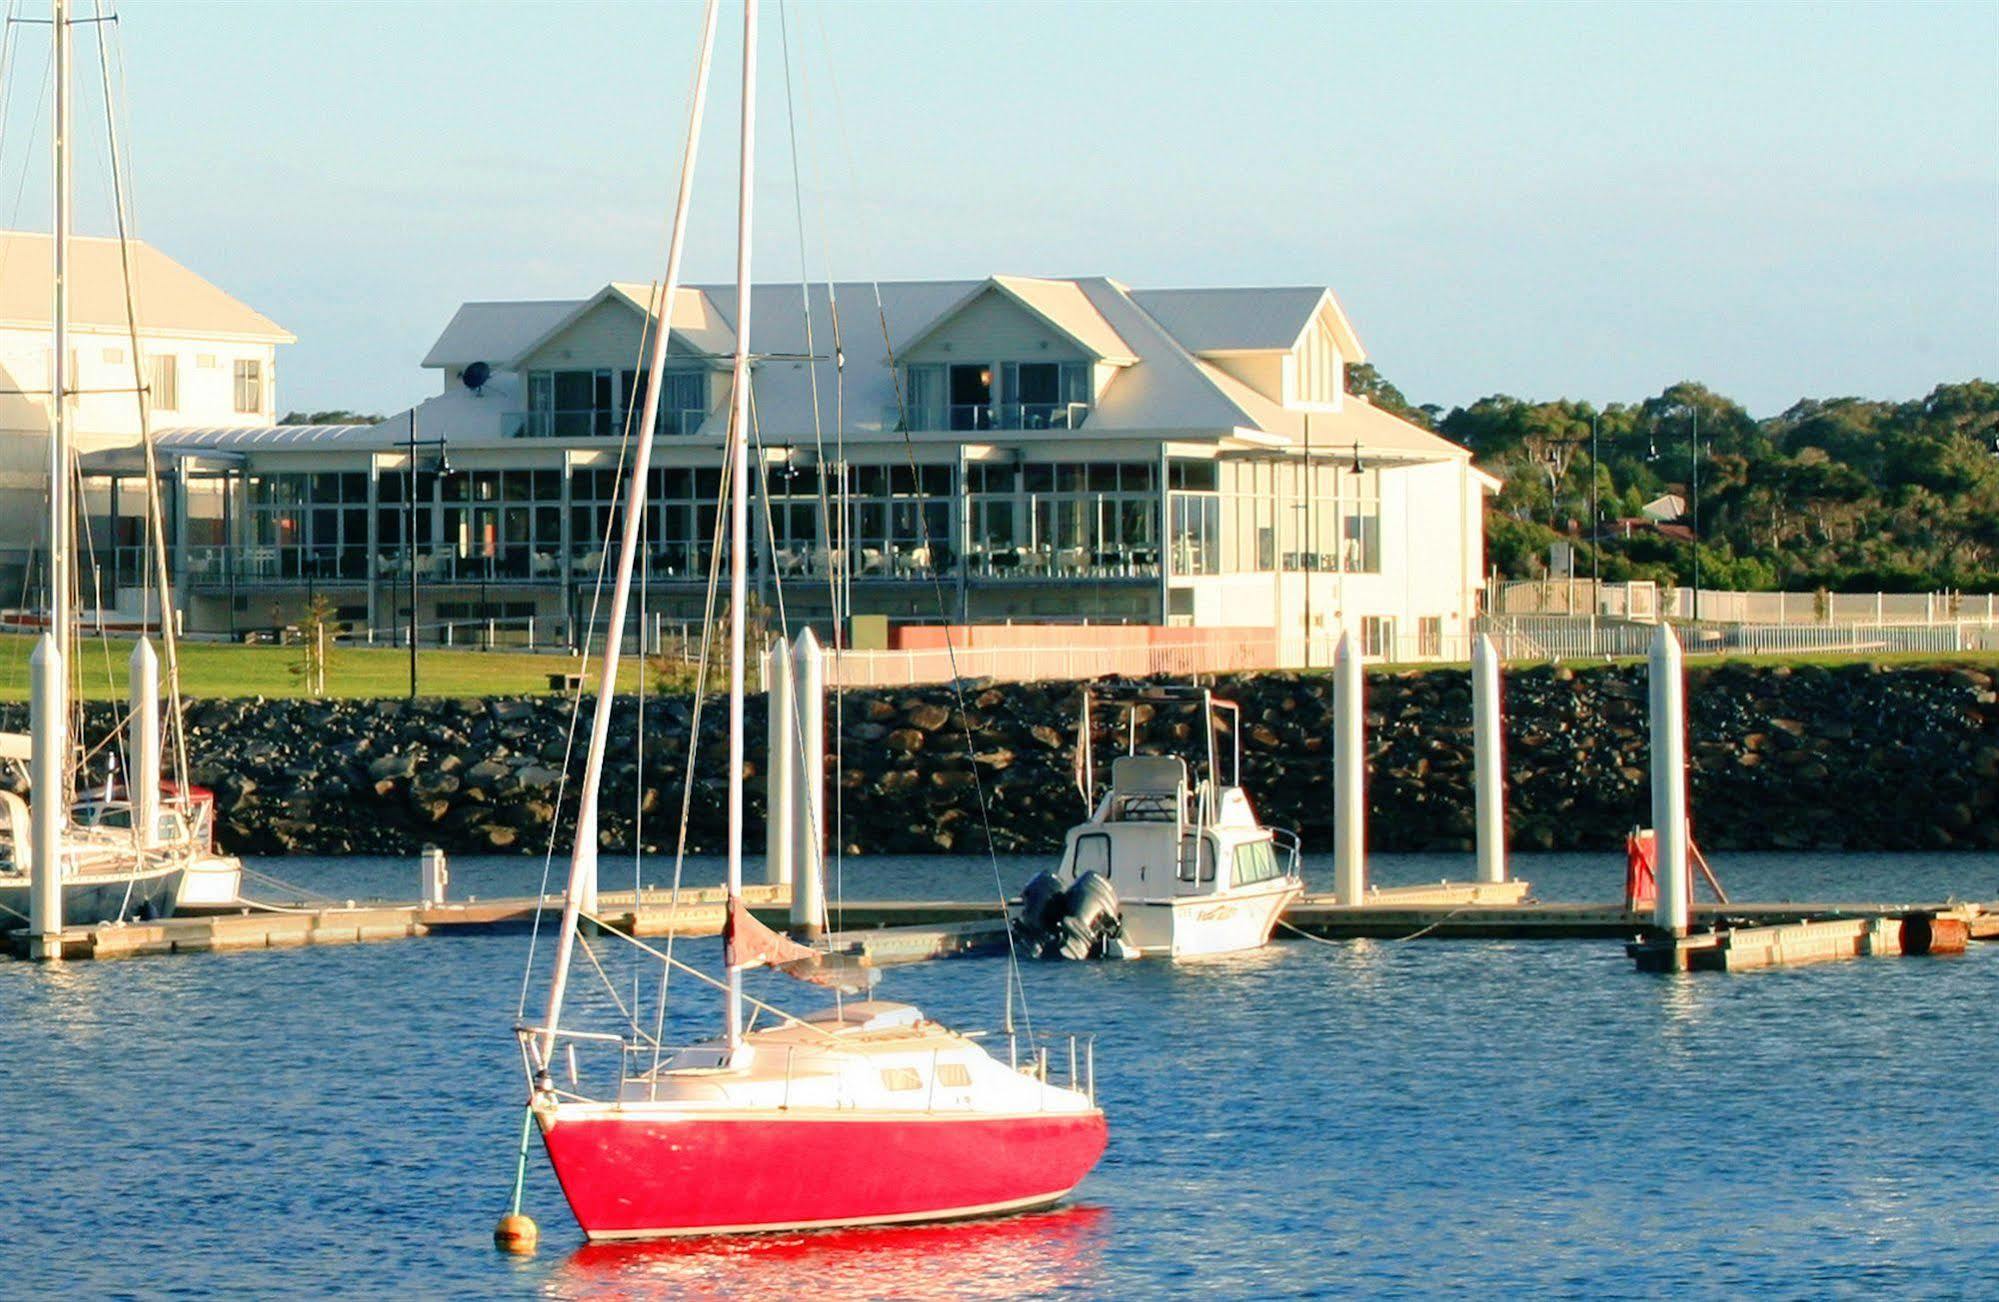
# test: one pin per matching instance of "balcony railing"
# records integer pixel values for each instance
(1045, 561)
(989, 416)
(292, 566)
(593, 423)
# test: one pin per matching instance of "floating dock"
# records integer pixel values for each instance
(902, 931)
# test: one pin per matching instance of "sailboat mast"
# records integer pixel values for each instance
(739, 497)
(61, 532)
(583, 854)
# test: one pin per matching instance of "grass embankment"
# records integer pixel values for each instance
(210, 669)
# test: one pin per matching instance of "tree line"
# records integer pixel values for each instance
(1837, 493)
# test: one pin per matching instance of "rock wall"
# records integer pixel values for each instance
(1857, 757)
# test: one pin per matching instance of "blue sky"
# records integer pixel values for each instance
(1776, 199)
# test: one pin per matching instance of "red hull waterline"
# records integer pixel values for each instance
(631, 1177)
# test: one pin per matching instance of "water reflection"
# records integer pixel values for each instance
(1035, 1255)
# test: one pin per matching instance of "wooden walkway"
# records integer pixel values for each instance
(890, 931)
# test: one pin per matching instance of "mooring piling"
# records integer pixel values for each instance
(1349, 774)
(780, 762)
(1489, 760)
(806, 759)
(1669, 780)
(49, 728)
(142, 743)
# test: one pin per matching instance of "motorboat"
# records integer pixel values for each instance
(1168, 864)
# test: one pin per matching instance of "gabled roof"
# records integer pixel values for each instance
(1219, 321)
(1165, 387)
(507, 334)
(694, 321)
(1061, 305)
(493, 332)
(170, 298)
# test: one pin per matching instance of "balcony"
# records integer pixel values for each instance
(1045, 561)
(593, 423)
(991, 416)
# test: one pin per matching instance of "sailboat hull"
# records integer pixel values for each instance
(94, 898)
(629, 1176)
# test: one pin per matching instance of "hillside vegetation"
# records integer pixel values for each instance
(1836, 493)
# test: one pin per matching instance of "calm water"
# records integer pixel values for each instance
(1314, 1118)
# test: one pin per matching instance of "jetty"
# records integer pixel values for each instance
(887, 932)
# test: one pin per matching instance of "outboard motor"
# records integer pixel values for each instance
(1040, 906)
(1089, 919)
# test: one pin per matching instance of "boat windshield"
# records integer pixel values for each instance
(1256, 861)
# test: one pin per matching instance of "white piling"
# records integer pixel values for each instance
(142, 744)
(49, 726)
(780, 761)
(1488, 746)
(1669, 781)
(808, 784)
(1349, 775)
(436, 874)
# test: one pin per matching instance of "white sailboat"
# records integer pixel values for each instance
(865, 1113)
(134, 853)
(1164, 867)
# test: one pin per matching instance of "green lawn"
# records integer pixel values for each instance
(218, 669)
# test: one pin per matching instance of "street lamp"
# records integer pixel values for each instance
(409, 525)
(1595, 519)
(1693, 490)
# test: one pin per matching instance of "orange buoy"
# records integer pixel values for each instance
(516, 1234)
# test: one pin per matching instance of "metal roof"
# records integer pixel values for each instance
(246, 437)
(170, 298)
(493, 332)
(1227, 320)
(1165, 386)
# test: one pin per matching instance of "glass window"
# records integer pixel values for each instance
(1255, 861)
(249, 386)
(165, 381)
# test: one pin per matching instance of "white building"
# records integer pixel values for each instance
(206, 358)
(1015, 449)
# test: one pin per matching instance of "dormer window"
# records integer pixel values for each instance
(593, 403)
(1045, 395)
(968, 396)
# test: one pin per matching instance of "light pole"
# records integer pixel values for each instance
(1595, 518)
(409, 526)
(1694, 505)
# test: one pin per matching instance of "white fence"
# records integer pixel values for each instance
(1027, 664)
(1642, 601)
(1549, 637)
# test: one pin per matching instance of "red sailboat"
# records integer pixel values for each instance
(865, 1113)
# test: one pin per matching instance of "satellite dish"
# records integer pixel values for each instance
(476, 375)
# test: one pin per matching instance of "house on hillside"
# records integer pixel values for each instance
(1009, 449)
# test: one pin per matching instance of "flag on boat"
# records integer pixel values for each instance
(748, 943)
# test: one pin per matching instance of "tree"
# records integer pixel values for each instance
(1833, 492)
(1363, 381)
(317, 632)
(335, 416)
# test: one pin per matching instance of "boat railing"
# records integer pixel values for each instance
(1286, 840)
(552, 1058)
(1037, 1055)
